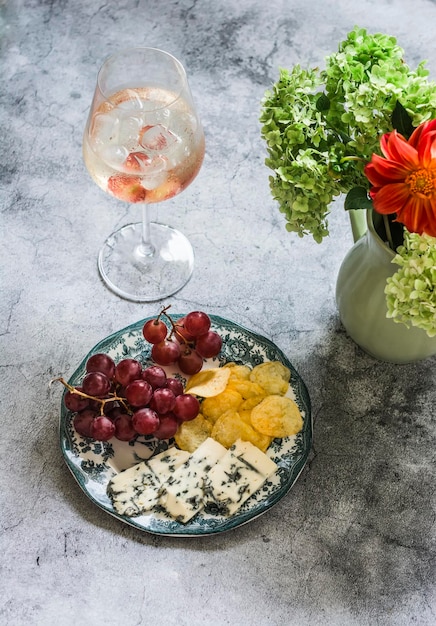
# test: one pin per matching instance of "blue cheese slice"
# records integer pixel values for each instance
(136, 490)
(182, 494)
(238, 474)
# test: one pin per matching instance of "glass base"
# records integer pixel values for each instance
(145, 275)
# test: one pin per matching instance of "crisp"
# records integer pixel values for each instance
(246, 388)
(208, 383)
(190, 435)
(250, 403)
(238, 372)
(229, 427)
(277, 416)
(215, 406)
(273, 376)
(241, 403)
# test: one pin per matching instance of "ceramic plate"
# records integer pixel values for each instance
(93, 463)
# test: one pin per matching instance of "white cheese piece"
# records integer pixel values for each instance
(182, 494)
(136, 490)
(238, 474)
(162, 465)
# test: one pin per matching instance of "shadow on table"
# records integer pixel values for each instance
(366, 531)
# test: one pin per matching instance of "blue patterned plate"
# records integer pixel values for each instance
(94, 463)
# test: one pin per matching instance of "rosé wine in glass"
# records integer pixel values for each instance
(139, 150)
(143, 143)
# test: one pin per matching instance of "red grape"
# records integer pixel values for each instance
(167, 428)
(96, 384)
(209, 344)
(138, 393)
(102, 428)
(75, 402)
(197, 323)
(128, 370)
(155, 375)
(175, 385)
(94, 404)
(166, 352)
(82, 422)
(145, 421)
(181, 333)
(190, 362)
(124, 430)
(113, 411)
(101, 363)
(163, 400)
(186, 407)
(155, 331)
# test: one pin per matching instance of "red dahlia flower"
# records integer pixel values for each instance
(404, 182)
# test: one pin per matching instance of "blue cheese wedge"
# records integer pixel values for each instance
(182, 494)
(236, 477)
(136, 490)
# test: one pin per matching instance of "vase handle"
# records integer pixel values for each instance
(358, 223)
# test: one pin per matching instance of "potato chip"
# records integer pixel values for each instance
(246, 388)
(229, 427)
(208, 383)
(250, 403)
(191, 434)
(273, 376)
(258, 439)
(277, 416)
(215, 406)
(261, 441)
(241, 403)
(238, 372)
(245, 416)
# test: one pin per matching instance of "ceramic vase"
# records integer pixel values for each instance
(361, 299)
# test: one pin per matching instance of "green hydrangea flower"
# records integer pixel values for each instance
(326, 124)
(410, 292)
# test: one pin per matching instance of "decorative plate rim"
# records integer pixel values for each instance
(212, 525)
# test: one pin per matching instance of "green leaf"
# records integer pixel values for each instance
(323, 103)
(357, 198)
(343, 136)
(401, 120)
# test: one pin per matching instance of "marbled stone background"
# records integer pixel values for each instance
(353, 544)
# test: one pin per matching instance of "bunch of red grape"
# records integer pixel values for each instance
(188, 342)
(126, 400)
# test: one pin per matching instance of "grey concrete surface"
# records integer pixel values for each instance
(353, 543)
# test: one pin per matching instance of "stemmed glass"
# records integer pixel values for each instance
(144, 143)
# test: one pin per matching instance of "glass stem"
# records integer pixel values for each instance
(146, 246)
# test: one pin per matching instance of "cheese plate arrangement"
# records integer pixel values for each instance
(159, 486)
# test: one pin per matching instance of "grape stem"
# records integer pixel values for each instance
(174, 328)
(164, 312)
(112, 396)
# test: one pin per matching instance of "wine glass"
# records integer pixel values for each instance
(144, 143)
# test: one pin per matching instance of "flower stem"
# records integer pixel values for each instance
(387, 226)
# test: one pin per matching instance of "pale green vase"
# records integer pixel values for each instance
(362, 303)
